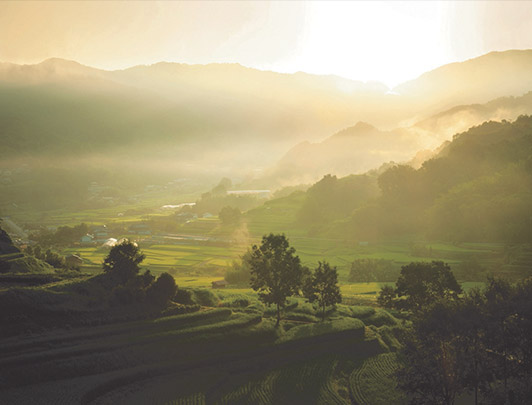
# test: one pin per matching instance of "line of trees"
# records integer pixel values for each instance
(122, 268)
(476, 344)
(276, 273)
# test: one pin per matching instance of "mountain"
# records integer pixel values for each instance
(478, 80)
(460, 118)
(362, 147)
(353, 150)
(476, 188)
(190, 120)
(153, 124)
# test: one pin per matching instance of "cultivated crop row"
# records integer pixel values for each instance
(373, 382)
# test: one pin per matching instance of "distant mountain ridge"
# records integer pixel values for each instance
(477, 80)
(226, 118)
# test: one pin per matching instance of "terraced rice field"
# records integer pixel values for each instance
(310, 382)
(373, 382)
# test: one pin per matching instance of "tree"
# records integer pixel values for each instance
(54, 259)
(230, 215)
(122, 262)
(162, 290)
(422, 283)
(322, 287)
(480, 343)
(276, 271)
(386, 297)
(240, 271)
(431, 372)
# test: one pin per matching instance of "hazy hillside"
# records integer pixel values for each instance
(477, 188)
(153, 124)
(462, 117)
(356, 149)
(477, 80)
(170, 102)
(172, 109)
(363, 147)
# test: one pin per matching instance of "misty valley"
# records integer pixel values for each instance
(218, 234)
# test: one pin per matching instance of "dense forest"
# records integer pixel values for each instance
(477, 188)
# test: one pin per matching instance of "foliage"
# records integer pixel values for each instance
(29, 264)
(477, 188)
(276, 271)
(479, 344)
(134, 290)
(387, 297)
(54, 259)
(122, 262)
(63, 236)
(332, 198)
(230, 215)
(240, 271)
(162, 290)
(183, 296)
(322, 287)
(419, 285)
(204, 297)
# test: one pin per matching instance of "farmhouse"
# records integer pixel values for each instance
(219, 284)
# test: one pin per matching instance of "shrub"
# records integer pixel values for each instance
(380, 318)
(183, 296)
(360, 311)
(204, 298)
(236, 301)
(122, 262)
(162, 290)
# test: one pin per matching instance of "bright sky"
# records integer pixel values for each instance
(388, 41)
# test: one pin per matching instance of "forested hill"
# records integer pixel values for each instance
(477, 188)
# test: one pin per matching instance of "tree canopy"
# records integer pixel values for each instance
(420, 284)
(479, 344)
(123, 261)
(276, 271)
(322, 287)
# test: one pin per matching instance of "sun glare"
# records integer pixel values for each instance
(374, 41)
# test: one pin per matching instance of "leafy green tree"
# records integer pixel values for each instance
(387, 296)
(322, 287)
(54, 259)
(162, 290)
(430, 371)
(276, 271)
(123, 262)
(230, 215)
(480, 343)
(422, 283)
(240, 271)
